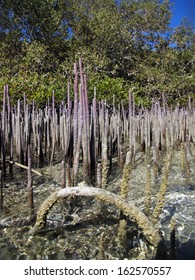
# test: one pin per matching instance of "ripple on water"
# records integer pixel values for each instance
(180, 205)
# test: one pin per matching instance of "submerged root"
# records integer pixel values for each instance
(163, 190)
(129, 209)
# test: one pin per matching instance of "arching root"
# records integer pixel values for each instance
(129, 209)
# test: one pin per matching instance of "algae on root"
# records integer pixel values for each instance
(163, 190)
(128, 208)
(126, 176)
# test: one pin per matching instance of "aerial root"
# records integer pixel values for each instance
(128, 208)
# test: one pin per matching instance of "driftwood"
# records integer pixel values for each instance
(128, 208)
(25, 167)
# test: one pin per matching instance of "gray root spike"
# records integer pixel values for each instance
(129, 209)
(126, 176)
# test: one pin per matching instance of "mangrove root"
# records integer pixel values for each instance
(162, 191)
(129, 209)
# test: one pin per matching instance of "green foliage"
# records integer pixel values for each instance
(107, 87)
(41, 20)
(38, 87)
(125, 45)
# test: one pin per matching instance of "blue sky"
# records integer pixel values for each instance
(183, 8)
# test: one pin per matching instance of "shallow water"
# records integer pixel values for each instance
(87, 229)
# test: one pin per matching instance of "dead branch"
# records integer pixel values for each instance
(25, 167)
